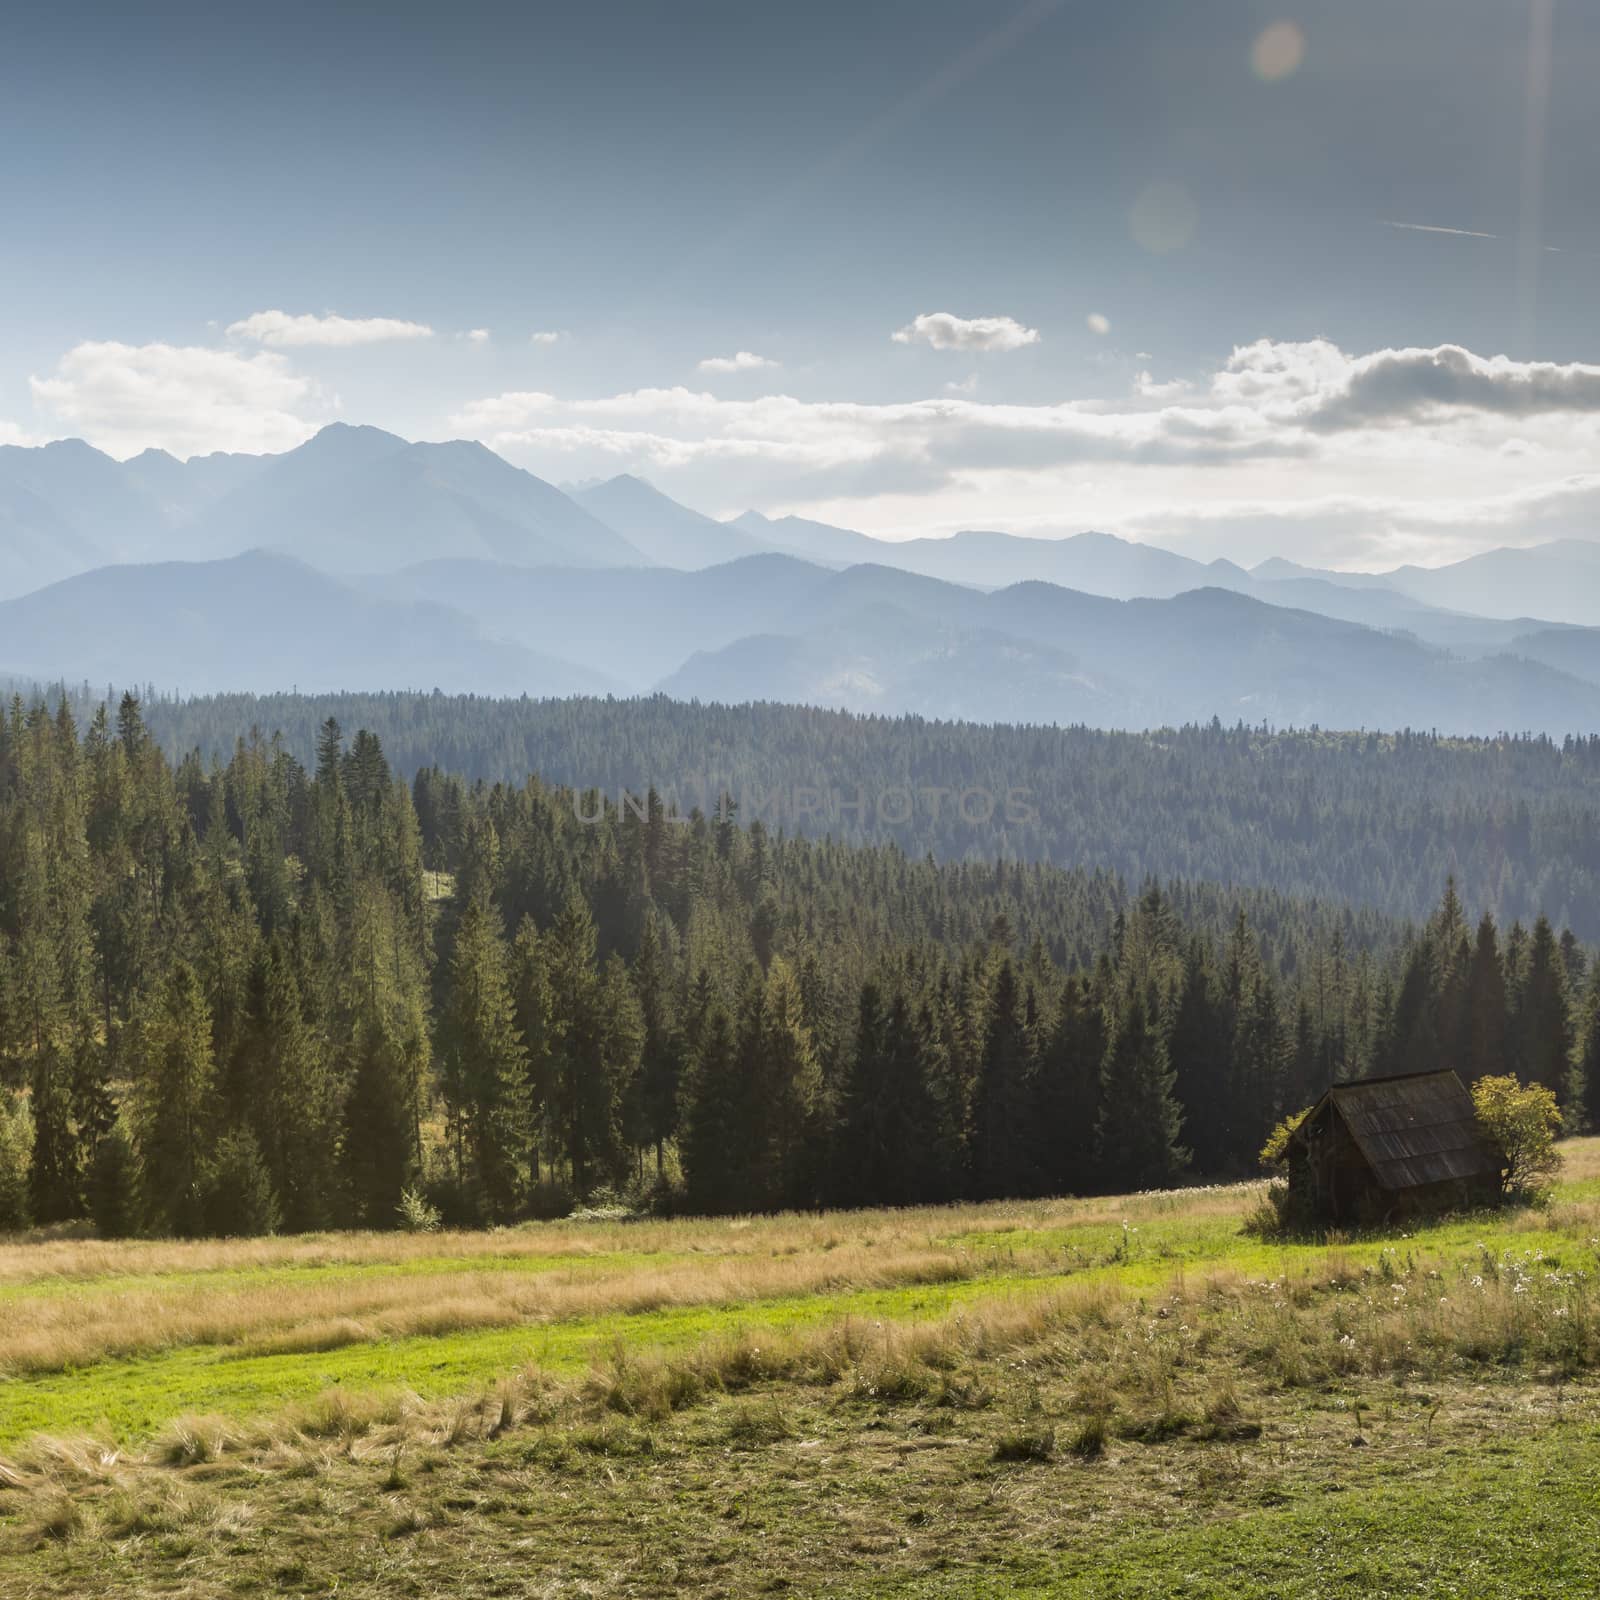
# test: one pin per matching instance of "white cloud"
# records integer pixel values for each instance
(1281, 436)
(10, 433)
(1147, 388)
(477, 335)
(966, 385)
(1098, 323)
(279, 328)
(186, 400)
(743, 361)
(548, 336)
(944, 331)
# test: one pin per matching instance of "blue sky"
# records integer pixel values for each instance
(1143, 187)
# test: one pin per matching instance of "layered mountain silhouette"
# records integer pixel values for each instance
(361, 560)
(1558, 581)
(262, 621)
(349, 500)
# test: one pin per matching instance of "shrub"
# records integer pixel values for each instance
(1522, 1121)
(417, 1213)
(1274, 1151)
(16, 1154)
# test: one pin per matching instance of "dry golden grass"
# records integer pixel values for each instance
(66, 1303)
(1143, 1364)
(28, 1260)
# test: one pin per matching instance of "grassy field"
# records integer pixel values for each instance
(1123, 1397)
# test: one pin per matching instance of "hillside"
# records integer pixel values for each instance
(259, 621)
(1355, 820)
(1559, 581)
(665, 533)
(349, 500)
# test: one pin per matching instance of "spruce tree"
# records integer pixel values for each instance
(1545, 1016)
(485, 1063)
(713, 1169)
(1487, 1047)
(1140, 1121)
(1587, 1074)
(1004, 1138)
(176, 1089)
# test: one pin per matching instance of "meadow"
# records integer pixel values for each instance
(1130, 1396)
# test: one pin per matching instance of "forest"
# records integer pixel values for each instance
(273, 994)
(1377, 819)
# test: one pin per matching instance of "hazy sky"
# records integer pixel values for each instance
(1315, 279)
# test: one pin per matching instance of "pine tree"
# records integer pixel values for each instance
(113, 1185)
(1487, 1047)
(379, 1147)
(1202, 1060)
(292, 1102)
(1003, 1134)
(866, 1123)
(485, 1063)
(786, 1091)
(536, 1023)
(1545, 1016)
(1586, 1075)
(655, 1113)
(241, 1202)
(175, 1083)
(712, 1161)
(1067, 1097)
(1140, 1121)
(586, 1100)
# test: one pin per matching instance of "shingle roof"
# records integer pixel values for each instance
(1416, 1130)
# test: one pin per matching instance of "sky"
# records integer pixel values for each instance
(1246, 279)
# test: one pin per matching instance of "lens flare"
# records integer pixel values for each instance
(1278, 51)
(1163, 218)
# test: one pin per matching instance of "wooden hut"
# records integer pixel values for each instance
(1386, 1147)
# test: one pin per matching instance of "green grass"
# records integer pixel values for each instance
(1513, 1521)
(1241, 1448)
(127, 1401)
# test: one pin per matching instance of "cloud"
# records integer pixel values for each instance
(477, 336)
(548, 336)
(280, 329)
(1097, 323)
(1282, 437)
(1408, 384)
(188, 401)
(1147, 388)
(944, 331)
(743, 361)
(819, 446)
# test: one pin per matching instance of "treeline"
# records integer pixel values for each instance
(1380, 820)
(270, 994)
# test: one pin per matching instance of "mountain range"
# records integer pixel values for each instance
(362, 560)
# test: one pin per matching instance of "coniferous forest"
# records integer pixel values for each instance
(283, 994)
(1378, 819)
